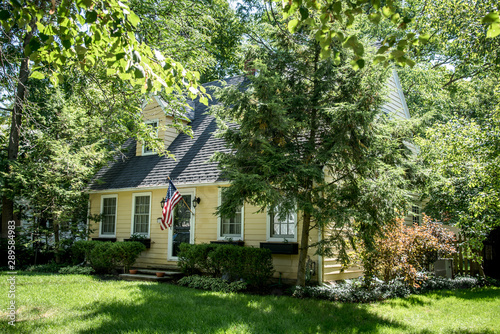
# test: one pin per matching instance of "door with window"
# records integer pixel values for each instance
(182, 226)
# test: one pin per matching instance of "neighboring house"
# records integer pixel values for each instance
(129, 191)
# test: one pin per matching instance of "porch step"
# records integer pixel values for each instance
(149, 275)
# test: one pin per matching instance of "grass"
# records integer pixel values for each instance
(84, 304)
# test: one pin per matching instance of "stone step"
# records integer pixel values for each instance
(154, 271)
(149, 274)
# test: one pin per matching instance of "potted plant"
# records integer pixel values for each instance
(160, 274)
(140, 238)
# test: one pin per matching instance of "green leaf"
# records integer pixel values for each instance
(336, 58)
(37, 75)
(375, 17)
(493, 30)
(379, 59)
(358, 64)
(397, 54)
(204, 100)
(81, 50)
(40, 26)
(139, 72)
(376, 4)
(353, 43)
(382, 49)
(388, 11)
(337, 7)
(424, 38)
(304, 13)
(395, 18)
(91, 16)
(409, 62)
(66, 43)
(325, 53)
(133, 19)
(490, 18)
(292, 25)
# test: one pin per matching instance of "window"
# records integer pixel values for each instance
(416, 214)
(282, 227)
(141, 214)
(108, 215)
(231, 227)
(154, 125)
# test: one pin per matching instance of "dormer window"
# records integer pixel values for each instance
(154, 125)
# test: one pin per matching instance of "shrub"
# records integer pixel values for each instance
(357, 291)
(212, 284)
(80, 250)
(126, 253)
(254, 265)
(103, 257)
(403, 251)
(76, 270)
(193, 259)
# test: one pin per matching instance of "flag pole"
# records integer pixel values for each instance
(187, 206)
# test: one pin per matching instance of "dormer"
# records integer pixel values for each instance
(157, 114)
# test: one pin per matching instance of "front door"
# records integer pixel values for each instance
(181, 230)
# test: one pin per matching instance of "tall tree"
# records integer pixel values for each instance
(42, 38)
(306, 136)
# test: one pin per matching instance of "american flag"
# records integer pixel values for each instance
(173, 197)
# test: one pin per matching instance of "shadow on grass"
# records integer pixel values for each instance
(173, 309)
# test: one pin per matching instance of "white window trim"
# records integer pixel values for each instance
(150, 121)
(282, 239)
(116, 216)
(134, 195)
(219, 223)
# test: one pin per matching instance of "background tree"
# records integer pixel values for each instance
(309, 138)
(107, 42)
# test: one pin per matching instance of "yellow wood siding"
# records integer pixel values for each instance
(205, 227)
(153, 111)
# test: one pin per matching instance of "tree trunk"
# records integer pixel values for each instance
(15, 132)
(57, 242)
(304, 247)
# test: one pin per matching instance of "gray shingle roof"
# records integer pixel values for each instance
(190, 166)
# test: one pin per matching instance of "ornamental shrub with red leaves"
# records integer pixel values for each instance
(402, 251)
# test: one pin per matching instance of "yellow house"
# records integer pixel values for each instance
(128, 195)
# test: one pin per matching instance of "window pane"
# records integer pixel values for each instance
(108, 216)
(231, 227)
(281, 228)
(141, 215)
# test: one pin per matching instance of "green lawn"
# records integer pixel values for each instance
(82, 304)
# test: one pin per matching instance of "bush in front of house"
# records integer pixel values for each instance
(254, 265)
(104, 257)
(405, 251)
(212, 284)
(193, 259)
(357, 291)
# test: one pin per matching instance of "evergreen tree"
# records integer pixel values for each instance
(306, 135)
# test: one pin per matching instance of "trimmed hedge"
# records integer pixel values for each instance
(104, 257)
(254, 265)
